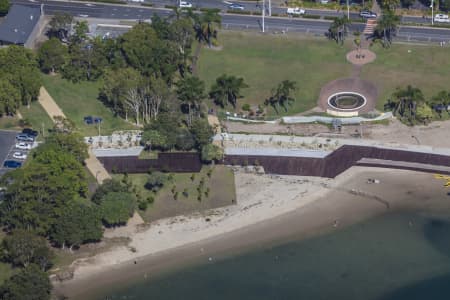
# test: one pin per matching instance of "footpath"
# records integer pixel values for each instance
(53, 110)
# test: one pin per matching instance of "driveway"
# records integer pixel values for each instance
(7, 142)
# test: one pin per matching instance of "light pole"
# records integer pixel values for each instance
(348, 11)
(432, 12)
(270, 8)
(263, 14)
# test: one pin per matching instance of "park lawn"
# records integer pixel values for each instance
(37, 117)
(425, 67)
(265, 60)
(78, 100)
(222, 192)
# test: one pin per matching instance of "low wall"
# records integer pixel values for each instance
(167, 162)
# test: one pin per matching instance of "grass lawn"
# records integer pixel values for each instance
(426, 67)
(264, 61)
(38, 117)
(78, 100)
(221, 193)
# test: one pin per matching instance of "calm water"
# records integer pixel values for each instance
(404, 256)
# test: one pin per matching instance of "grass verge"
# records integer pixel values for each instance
(221, 192)
(78, 100)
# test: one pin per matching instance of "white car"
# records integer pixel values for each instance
(19, 155)
(441, 18)
(23, 146)
(185, 4)
(295, 11)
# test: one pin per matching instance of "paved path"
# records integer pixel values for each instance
(53, 110)
(49, 104)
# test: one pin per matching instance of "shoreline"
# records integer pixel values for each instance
(256, 221)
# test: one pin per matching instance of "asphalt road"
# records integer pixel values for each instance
(7, 142)
(229, 21)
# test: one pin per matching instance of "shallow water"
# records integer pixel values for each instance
(395, 256)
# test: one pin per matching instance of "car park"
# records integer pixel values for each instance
(23, 146)
(19, 155)
(185, 4)
(236, 6)
(367, 14)
(24, 138)
(441, 18)
(12, 164)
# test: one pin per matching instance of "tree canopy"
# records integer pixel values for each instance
(30, 283)
(117, 208)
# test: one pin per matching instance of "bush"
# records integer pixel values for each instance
(143, 205)
(147, 4)
(316, 17)
(246, 107)
(155, 181)
(213, 10)
(211, 153)
(117, 208)
(170, 6)
(185, 193)
(239, 12)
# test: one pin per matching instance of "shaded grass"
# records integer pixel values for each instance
(264, 61)
(221, 193)
(78, 100)
(426, 67)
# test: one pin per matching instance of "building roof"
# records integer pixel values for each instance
(19, 23)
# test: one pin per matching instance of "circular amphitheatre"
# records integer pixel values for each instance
(348, 97)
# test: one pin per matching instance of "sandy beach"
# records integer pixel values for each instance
(270, 209)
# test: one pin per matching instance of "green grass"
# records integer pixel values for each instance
(264, 61)
(426, 67)
(222, 192)
(78, 100)
(37, 116)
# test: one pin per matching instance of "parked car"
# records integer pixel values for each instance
(12, 164)
(30, 132)
(295, 11)
(23, 146)
(20, 155)
(185, 4)
(89, 120)
(367, 14)
(441, 18)
(236, 6)
(324, 1)
(24, 138)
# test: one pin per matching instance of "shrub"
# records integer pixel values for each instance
(156, 181)
(316, 17)
(246, 107)
(185, 193)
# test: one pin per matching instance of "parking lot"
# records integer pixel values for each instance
(7, 149)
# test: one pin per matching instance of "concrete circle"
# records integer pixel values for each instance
(361, 57)
(352, 85)
(360, 101)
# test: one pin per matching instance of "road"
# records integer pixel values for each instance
(229, 21)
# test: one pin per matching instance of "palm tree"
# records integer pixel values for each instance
(387, 27)
(338, 29)
(191, 91)
(281, 95)
(206, 26)
(406, 102)
(227, 90)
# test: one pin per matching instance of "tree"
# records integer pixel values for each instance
(181, 31)
(81, 30)
(405, 103)
(167, 126)
(424, 113)
(22, 248)
(202, 132)
(133, 101)
(30, 283)
(227, 90)
(338, 29)
(154, 139)
(190, 92)
(206, 26)
(71, 143)
(117, 208)
(109, 185)
(52, 55)
(185, 140)
(153, 96)
(4, 7)
(211, 152)
(38, 193)
(78, 224)
(390, 4)
(440, 102)
(281, 95)
(60, 25)
(155, 181)
(9, 98)
(116, 85)
(387, 28)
